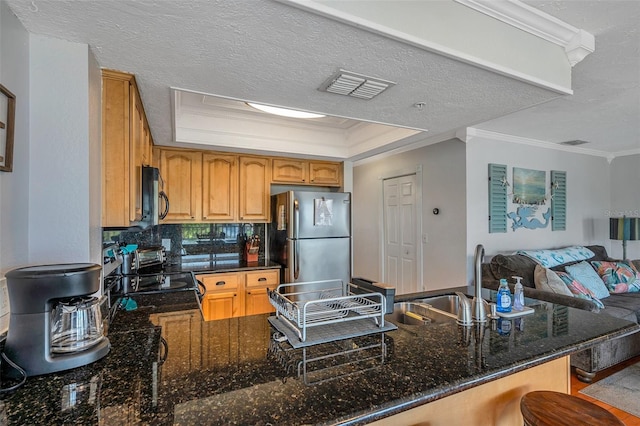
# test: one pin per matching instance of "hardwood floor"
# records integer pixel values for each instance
(576, 385)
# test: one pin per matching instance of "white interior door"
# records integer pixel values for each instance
(400, 234)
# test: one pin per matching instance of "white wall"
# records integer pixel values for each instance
(443, 181)
(588, 185)
(14, 186)
(625, 200)
(64, 192)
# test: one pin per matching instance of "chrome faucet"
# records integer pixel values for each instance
(479, 310)
(464, 309)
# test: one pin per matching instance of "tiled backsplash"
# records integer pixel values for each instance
(191, 242)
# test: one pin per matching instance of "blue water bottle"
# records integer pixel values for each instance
(504, 297)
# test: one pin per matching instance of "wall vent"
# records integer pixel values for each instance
(356, 85)
(573, 143)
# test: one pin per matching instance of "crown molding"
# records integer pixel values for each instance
(471, 133)
(577, 43)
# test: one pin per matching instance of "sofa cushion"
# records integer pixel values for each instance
(507, 266)
(584, 273)
(618, 276)
(547, 280)
(626, 306)
(555, 257)
(599, 253)
(578, 290)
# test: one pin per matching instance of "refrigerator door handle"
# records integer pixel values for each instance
(296, 248)
(296, 261)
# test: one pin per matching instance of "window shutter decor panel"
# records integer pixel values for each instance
(558, 200)
(497, 198)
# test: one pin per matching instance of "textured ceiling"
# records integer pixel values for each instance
(605, 107)
(273, 53)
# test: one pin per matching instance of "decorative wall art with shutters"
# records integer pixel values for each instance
(498, 198)
(558, 200)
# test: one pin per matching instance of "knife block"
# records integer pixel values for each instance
(250, 254)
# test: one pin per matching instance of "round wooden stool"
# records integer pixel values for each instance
(546, 408)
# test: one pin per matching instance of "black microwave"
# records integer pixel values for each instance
(152, 197)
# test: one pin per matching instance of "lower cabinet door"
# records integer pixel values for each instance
(257, 301)
(220, 305)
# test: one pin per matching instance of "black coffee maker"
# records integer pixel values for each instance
(54, 324)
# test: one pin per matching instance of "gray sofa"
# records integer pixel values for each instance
(627, 305)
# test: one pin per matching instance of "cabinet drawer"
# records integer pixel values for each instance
(263, 278)
(215, 282)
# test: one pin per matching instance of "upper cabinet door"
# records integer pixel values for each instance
(181, 172)
(254, 189)
(290, 171)
(137, 155)
(321, 173)
(219, 187)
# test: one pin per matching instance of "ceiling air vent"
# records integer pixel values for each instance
(573, 143)
(356, 85)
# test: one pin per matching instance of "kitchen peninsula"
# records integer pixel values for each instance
(231, 372)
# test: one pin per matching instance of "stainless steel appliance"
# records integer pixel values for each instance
(142, 258)
(54, 323)
(310, 235)
(151, 196)
(141, 270)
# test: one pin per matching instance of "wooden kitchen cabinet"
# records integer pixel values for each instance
(324, 173)
(181, 172)
(126, 147)
(256, 284)
(222, 297)
(306, 172)
(221, 305)
(206, 186)
(219, 187)
(254, 189)
(289, 171)
(235, 294)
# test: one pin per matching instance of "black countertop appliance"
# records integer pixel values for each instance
(54, 323)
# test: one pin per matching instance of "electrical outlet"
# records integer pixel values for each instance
(425, 238)
(166, 243)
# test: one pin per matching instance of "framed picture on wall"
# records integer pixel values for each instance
(7, 128)
(529, 186)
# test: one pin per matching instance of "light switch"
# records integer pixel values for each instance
(425, 238)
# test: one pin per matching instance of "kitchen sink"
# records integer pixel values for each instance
(446, 303)
(412, 313)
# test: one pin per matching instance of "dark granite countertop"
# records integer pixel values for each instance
(232, 371)
(221, 266)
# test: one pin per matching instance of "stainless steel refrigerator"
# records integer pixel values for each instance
(311, 235)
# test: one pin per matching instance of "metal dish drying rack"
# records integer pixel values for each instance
(322, 303)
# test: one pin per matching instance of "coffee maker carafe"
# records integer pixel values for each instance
(54, 324)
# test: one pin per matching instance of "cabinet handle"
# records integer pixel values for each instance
(262, 279)
(248, 292)
(221, 283)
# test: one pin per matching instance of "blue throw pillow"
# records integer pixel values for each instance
(584, 273)
(555, 257)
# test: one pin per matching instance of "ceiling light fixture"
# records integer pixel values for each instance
(285, 112)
